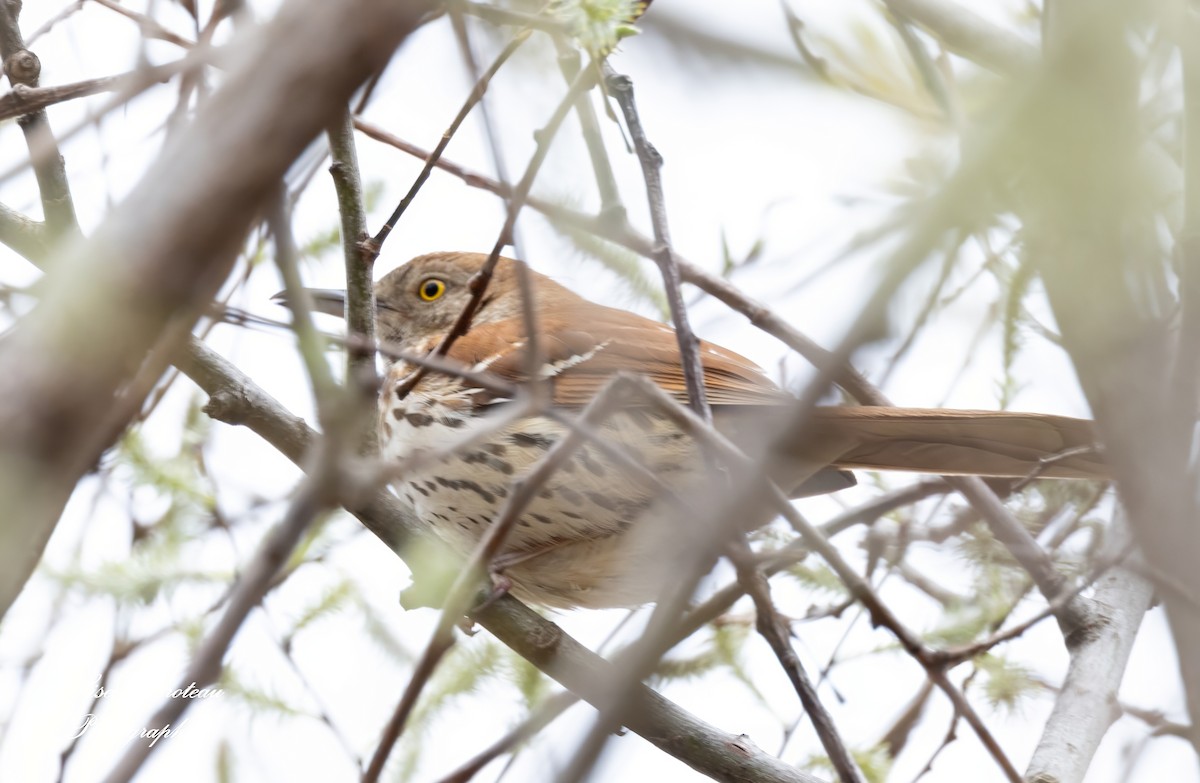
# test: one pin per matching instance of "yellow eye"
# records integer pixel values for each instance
(431, 289)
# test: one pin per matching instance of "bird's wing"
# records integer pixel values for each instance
(582, 355)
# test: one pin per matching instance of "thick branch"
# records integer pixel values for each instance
(23, 69)
(24, 100)
(720, 755)
(163, 254)
(28, 237)
(1087, 704)
(360, 264)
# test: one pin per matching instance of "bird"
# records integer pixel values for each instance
(592, 537)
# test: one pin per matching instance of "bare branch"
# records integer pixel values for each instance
(1087, 704)
(28, 237)
(361, 374)
(771, 627)
(23, 69)
(176, 236)
(663, 255)
(316, 493)
(720, 755)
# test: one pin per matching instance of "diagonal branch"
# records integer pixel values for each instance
(163, 253)
(1087, 703)
(720, 755)
(650, 159)
(23, 70)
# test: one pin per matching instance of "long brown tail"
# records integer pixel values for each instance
(957, 442)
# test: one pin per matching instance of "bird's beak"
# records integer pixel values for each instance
(331, 301)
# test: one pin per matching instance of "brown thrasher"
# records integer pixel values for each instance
(593, 537)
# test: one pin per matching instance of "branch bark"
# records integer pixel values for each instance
(1084, 210)
(1087, 704)
(720, 755)
(164, 252)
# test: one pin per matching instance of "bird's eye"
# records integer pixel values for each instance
(431, 289)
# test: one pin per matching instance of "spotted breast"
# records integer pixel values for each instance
(571, 545)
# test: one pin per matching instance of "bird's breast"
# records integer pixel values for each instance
(571, 545)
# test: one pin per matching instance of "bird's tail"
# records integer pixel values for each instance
(956, 442)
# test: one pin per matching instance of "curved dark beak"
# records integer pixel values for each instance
(331, 301)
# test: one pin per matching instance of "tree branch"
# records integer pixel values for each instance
(163, 253)
(727, 757)
(23, 69)
(1087, 703)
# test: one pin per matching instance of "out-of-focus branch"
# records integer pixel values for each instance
(621, 88)
(309, 341)
(1087, 703)
(361, 374)
(969, 35)
(317, 492)
(148, 26)
(28, 237)
(25, 100)
(23, 69)
(539, 718)
(163, 253)
(1085, 211)
(1186, 371)
(1006, 529)
(722, 756)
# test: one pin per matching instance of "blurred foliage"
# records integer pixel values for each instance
(466, 669)
(327, 241)
(817, 577)
(226, 762)
(597, 26)
(259, 699)
(1006, 684)
(875, 763)
(625, 264)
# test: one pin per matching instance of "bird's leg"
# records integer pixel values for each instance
(501, 585)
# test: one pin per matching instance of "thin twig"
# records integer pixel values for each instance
(148, 26)
(538, 719)
(308, 338)
(621, 88)
(518, 199)
(316, 493)
(23, 69)
(361, 375)
(771, 628)
(375, 246)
